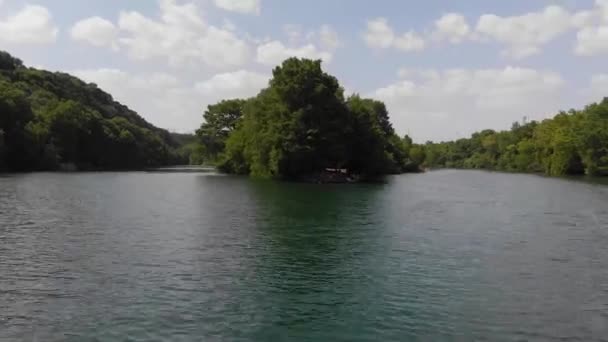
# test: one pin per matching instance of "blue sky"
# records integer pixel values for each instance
(444, 68)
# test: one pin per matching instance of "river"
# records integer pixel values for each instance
(446, 255)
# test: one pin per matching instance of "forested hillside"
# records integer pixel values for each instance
(52, 120)
(301, 125)
(571, 143)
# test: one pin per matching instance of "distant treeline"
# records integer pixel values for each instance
(571, 143)
(300, 125)
(53, 120)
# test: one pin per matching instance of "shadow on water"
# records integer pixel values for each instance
(310, 222)
(587, 179)
(315, 240)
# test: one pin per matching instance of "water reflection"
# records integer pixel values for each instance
(312, 255)
(588, 179)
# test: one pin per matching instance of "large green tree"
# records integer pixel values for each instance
(302, 124)
(220, 120)
(375, 147)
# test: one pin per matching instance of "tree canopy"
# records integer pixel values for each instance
(220, 121)
(571, 143)
(49, 119)
(302, 124)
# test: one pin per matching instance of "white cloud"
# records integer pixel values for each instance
(380, 35)
(228, 25)
(602, 6)
(325, 36)
(180, 36)
(96, 31)
(524, 35)
(329, 37)
(409, 41)
(167, 102)
(448, 104)
(31, 25)
(240, 6)
(452, 27)
(592, 38)
(598, 88)
(294, 33)
(237, 84)
(584, 18)
(592, 41)
(600, 82)
(275, 52)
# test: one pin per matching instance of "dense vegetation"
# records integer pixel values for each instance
(300, 125)
(574, 142)
(188, 150)
(52, 120)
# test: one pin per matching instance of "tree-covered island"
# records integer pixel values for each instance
(302, 127)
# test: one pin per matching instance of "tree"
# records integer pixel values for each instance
(572, 142)
(301, 125)
(376, 148)
(49, 118)
(8, 62)
(592, 138)
(15, 113)
(2, 151)
(220, 120)
(316, 118)
(417, 154)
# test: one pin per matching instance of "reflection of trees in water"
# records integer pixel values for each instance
(307, 223)
(313, 241)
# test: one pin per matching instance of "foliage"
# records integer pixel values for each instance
(49, 119)
(220, 120)
(190, 151)
(574, 142)
(301, 125)
(8, 62)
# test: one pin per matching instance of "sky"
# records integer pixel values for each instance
(444, 68)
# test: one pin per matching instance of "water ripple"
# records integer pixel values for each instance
(440, 256)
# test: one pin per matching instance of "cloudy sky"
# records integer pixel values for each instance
(444, 68)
